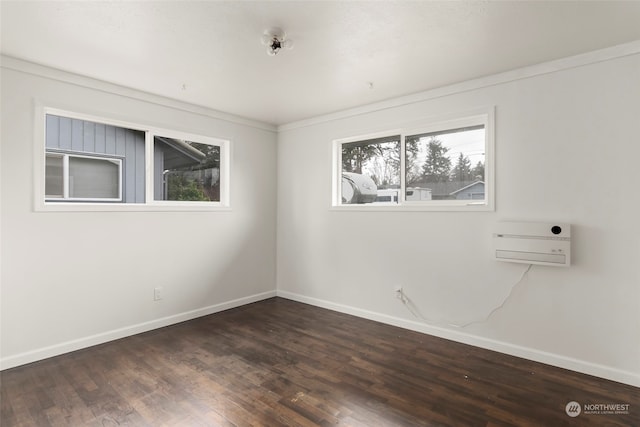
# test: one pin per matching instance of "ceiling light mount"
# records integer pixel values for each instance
(275, 39)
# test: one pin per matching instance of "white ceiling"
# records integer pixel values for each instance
(209, 52)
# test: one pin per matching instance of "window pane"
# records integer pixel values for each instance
(371, 171)
(91, 178)
(54, 183)
(79, 138)
(186, 171)
(446, 165)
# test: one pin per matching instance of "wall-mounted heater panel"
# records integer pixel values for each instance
(533, 243)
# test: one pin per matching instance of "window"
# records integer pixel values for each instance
(446, 165)
(186, 170)
(368, 168)
(101, 164)
(72, 177)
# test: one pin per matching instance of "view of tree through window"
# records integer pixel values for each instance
(186, 171)
(446, 165)
(442, 165)
(89, 160)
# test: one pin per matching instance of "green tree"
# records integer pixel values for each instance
(411, 160)
(478, 172)
(204, 188)
(180, 188)
(386, 164)
(212, 156)
(355, 155)
(437, 166)
(378, 160)
(462, 170)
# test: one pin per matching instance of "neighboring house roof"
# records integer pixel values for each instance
(467, 187)
(448, 188)
(178, 153)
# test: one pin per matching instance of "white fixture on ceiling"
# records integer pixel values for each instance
(275, 39)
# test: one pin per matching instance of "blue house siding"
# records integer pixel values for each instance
(85, 137)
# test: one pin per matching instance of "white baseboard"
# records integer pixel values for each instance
(458, 336)
(80, 343)
(557, 360)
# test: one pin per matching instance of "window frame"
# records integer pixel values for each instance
(482, 116)
(44, 204)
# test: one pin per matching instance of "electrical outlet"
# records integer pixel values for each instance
(157, 293)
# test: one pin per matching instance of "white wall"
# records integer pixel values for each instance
(568, 149)
(75, 279)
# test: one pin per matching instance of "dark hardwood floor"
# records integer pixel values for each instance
(278, 362)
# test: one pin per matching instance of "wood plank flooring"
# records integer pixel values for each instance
(282, 363)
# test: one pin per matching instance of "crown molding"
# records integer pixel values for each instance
(601, 55)
(21, 65)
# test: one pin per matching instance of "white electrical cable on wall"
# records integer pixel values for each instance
(413, 309)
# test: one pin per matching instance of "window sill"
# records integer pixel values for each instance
(466, 207)
(130, 207)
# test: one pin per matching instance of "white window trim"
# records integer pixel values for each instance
(484, 116)
(65, 177)
(41, 204)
